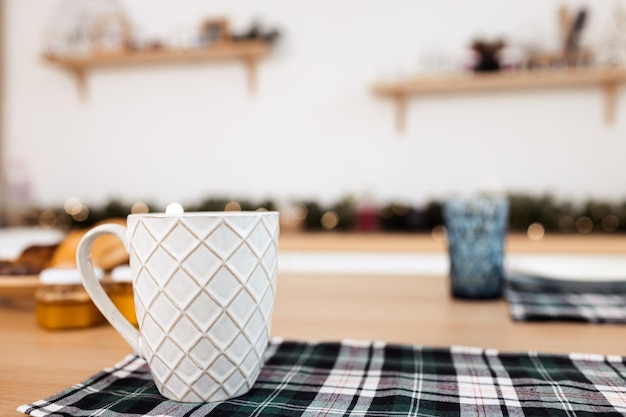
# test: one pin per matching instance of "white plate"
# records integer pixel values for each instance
(14, 240)
(570, 267)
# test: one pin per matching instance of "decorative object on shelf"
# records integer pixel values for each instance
(487, 55)
(112, 33)
(257, 32)
(611, 49)
(572, 52)
(213, 31)
(89, 27)
(572, 28)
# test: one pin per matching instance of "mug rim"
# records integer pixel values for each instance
(245, 213)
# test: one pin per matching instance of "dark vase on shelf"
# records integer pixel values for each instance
(488, 59)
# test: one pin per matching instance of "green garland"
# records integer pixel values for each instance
(349, 214)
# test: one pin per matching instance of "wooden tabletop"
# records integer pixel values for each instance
(36, 363)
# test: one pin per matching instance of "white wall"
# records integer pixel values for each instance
(314, 130)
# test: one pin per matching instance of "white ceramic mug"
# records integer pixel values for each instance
(204, 286)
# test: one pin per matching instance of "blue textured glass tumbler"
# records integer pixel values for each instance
(476, 231)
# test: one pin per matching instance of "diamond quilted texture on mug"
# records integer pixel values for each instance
(271, 224)
(143, 243)
(203, 353)
(151, 333)
(182, 289)
(207, 386)
(243, 262)
(250, 366)
(180, 242)
(161, 266)
(202, 226)
(223, 286)
(223, 332)
(193, 397)
(159, 369)
(224, 241)
(159, 227)
(243, 225)
(267, 304)
(187, 370)
(203, 311)
(185, 333)
(270, 259)
(222, 368)
(169, 352)
(261, 344)
(242, 308)
(146, 288)
(259, 239)
(258, 282)
(240, 348)
(176, 387)
(236, 384)
(201, 264)
(164, 311)
(255, 326)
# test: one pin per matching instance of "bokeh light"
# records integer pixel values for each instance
(300, 211)
(330, 220)
(610, 223)
(80, 213)
(72, 206)
(139, 208)
(174, 208)
(536, 231)
(232, 206)
(439, 233)
(584, 224)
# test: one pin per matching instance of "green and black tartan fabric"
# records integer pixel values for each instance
(534, 298)
(373, 379)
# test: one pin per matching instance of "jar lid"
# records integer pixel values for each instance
(64, 275)
(121, 274)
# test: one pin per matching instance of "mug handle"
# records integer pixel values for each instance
(94, 288)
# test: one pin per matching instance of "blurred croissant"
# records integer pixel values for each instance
(107, 252)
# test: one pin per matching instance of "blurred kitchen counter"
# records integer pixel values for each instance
(426, 242)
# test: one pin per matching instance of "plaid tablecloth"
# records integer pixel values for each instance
(534, 298)
(373, 379)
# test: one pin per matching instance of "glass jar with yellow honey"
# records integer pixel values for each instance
(62, 302)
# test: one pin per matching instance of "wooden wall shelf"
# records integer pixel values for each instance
(607, 78)
(249, 52)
